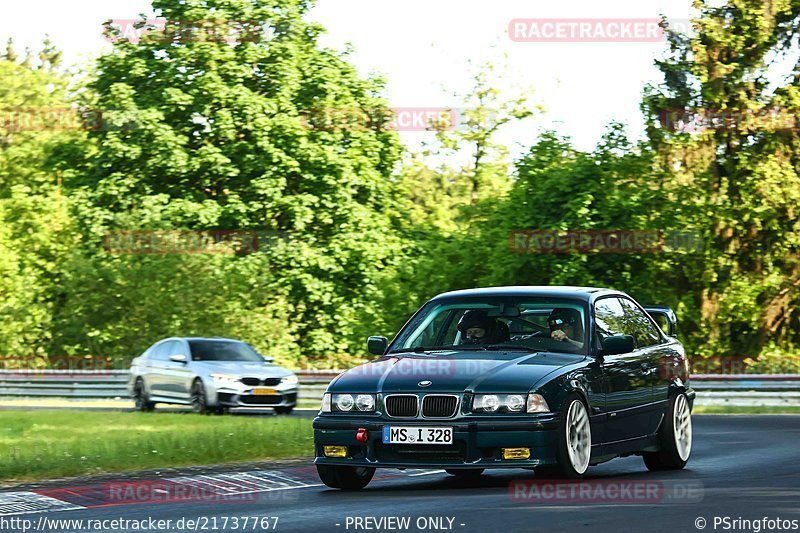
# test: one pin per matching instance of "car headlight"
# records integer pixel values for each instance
(515, 402)
(365, 402)
(289, 380)
(326, 403)
(343, 402)
(537, 404)
(224, 379)
(509, 403)
(488, 403)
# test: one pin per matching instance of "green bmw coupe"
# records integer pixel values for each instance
(554, 379)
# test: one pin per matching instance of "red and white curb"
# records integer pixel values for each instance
(13, 503)
(233, 487)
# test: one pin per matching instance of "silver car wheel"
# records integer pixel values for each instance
(579, 436)
(682, 427)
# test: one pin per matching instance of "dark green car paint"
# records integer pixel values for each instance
(626, 395)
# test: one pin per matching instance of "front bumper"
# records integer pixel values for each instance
(286, 397)
(477, 442)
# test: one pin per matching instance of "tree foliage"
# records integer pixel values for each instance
(185, 130)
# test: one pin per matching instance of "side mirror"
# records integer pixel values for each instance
(178, 358)
(617, 344)
(665, 318)
(268, 359)
(377, 345)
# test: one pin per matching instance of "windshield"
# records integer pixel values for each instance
(223, 351)
(491, 323)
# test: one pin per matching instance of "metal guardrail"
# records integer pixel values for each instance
(105, 384)
(774, 389)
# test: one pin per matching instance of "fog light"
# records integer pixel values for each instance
(516, 453)
(335, 451)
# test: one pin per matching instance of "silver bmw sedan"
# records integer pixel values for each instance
(211, 375)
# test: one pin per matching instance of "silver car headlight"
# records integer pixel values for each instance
(289, 380)
(224, 379)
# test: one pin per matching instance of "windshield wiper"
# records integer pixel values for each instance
(425, 349)
(511, 347)
(422, 349)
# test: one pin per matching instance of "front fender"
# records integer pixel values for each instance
(557, 390)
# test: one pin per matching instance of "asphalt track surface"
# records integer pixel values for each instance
(742, 467)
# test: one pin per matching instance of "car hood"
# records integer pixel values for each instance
(453, 372)
(242, 368)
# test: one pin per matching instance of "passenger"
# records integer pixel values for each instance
(565, 325)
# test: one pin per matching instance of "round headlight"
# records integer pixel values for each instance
(365, 402)
(344, 402)
(490, 402)
(515, 402)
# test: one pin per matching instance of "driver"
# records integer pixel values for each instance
(565, 325)
(477, 327)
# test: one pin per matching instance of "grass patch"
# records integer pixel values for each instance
(47, 444)
(746, 409)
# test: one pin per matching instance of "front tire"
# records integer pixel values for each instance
(199, 399)
(140, 397)
(574, 442)
(283, 410)
(674, 437)
(345, 477)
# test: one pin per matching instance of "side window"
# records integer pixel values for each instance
(179, 348)
(158, 352)
(171, 348)
(638, 324)
(609, 317)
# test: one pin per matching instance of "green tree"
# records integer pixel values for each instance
(735, 176)
(38, 233)
(199, 133)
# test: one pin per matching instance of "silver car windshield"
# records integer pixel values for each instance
(525, 323)
(211, 350)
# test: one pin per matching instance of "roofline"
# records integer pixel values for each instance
(558, 291)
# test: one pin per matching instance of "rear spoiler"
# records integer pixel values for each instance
(664, 317)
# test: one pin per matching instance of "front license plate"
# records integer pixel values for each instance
(417, 435)
(264, 392)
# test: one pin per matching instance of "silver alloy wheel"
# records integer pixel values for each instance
(579, 436)
(682, 427)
